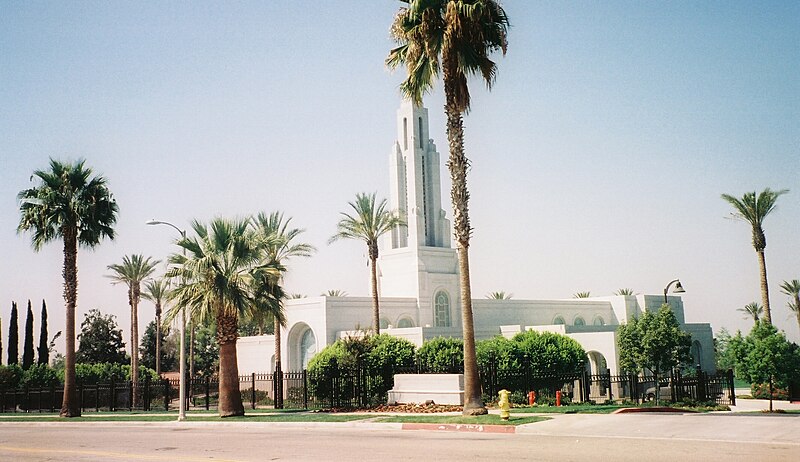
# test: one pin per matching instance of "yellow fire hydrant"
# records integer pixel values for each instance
(503, 404)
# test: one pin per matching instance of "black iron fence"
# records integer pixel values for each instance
(354, 387)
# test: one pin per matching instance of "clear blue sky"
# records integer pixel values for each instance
(598, 158)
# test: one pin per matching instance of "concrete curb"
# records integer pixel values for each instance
(639, 410)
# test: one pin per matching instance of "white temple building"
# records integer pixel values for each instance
(419, 290)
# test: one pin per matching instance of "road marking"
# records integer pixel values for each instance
(104, 454)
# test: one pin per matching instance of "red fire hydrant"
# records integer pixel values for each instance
(531, 398)
(558, 398)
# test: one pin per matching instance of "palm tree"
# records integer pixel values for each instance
(156, 291)
(624, 292)
(454, 38)
(72, 205)
(277, 240)
(132, 272)
(754, 209)
(752, 311)
(500, 295)
(370, 222)
(586, 294)
(335, 293)
(792, 289)
(216, 282)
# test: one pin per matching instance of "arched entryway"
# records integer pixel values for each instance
(302, 343)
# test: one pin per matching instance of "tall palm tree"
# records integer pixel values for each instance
(369, 222)
(792, 289)
(73, 205)
(278, 244)
(453, 38)
(214, 280)
(624, 292)
(134, 270)
(586, 294)
(156, 291)
(752, 311)
(753, 209)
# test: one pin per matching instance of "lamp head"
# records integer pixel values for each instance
(678, 288)
(153, 222)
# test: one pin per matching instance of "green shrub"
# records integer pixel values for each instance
(441, 355)
(106, 372)
(548, 353)
(10, 376)
(39, 376)
(375, 357)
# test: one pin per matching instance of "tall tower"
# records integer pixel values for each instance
(416, 260)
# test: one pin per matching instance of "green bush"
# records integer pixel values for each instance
(441, 355)
(10, 376)
(39, 376)
(548, 353)
(106, 372)
(375, 357)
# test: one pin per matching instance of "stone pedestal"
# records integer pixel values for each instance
(419, 388)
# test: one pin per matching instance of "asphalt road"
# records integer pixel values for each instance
(567, 438)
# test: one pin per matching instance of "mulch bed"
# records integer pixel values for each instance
(407, 408)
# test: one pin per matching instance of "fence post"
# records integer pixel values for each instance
(146, 402)
(80, 396)
(112, 396)
(253, 390)
(130, 395)
(208, 392)
(610, 392)
(305, 389)
(52, 398)
(701, 394)
(279, 381)
(731, 390)
(97, 397)
(165, 383)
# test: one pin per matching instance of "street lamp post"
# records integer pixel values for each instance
(678, 289)
(182, 369)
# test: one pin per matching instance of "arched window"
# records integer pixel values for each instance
(579, 321)
(599, 321)
(558, 320)
(308, 347)
(441, 310)
(384, 323)
(405, 322)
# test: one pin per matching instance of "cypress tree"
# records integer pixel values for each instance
(13, 336)
(44, 347)
(27, 345)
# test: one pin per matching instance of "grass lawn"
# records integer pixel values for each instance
(739, 383)
(489, 419)
(570, 409)
(192, 417)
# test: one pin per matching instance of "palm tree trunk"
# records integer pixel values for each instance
(278, 399)
(70, 407)
(277, 329)
(191, 349)
(764, 288)
(158, 339)
(133, 299)
(376, 311)
(459, 194)
(230, 398)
